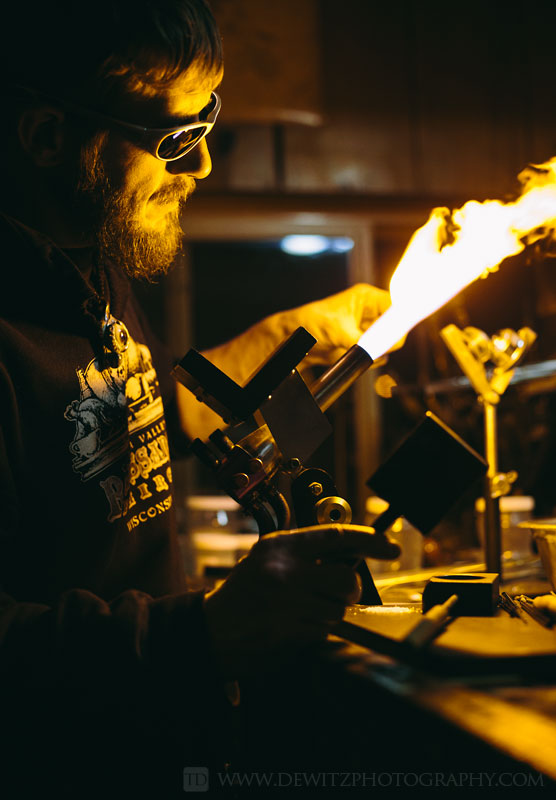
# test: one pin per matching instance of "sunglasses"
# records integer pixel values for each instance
(166, 144)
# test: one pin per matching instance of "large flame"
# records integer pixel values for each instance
(452, 250)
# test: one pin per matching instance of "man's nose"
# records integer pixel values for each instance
(196, 164)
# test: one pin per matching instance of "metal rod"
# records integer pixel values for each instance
(493, 545)
(340, 376)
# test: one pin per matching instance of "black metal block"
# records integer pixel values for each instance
(428, 472)
(477, 593)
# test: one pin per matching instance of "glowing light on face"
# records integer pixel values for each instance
(452, 250)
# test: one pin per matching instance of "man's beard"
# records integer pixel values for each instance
(116, 223)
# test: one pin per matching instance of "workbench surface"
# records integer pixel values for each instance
(346, 707)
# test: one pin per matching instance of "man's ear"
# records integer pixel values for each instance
(41, 132)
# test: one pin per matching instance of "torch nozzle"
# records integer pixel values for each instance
(340, 376)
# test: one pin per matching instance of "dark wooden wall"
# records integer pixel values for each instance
(415, 97)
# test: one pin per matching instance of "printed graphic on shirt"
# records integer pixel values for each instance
(120, 435)
(145, 491)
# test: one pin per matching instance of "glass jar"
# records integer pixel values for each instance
(516, 541)
(219, 533)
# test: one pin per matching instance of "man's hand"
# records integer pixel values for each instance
(336, 322)
(289, 591)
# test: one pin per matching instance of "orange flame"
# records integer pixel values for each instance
(450, 251)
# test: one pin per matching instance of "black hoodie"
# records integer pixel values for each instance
(104, 657)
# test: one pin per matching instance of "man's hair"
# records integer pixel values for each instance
(89, 51)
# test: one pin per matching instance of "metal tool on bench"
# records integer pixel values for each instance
(413, 645)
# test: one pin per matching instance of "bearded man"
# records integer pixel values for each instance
(113, 673)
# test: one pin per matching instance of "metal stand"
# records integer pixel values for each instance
(473, 350)
(493, 540)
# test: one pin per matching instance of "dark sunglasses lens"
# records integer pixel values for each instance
(177, 144)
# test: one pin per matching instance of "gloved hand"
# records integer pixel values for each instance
(336, 322)
(288, 592)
